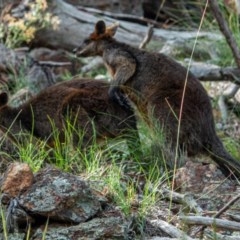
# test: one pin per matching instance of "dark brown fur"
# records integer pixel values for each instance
(85, 100)
(158, 81)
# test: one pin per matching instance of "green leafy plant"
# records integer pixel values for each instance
(34, 153)
(16, 31)
(232, 146)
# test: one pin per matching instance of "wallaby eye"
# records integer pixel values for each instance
(86, 41)
(3, 98)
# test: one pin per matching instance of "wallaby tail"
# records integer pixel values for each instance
(229, 165)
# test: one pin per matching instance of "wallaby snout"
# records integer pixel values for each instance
(86, 49)
(77, 51)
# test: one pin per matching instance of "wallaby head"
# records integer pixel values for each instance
(90, 46)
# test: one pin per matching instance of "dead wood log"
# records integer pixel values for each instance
(222, 210)
(75, 24)
(185, 199)
(122, 16)
(208, 221)
(212, 235)
(170, 229)
(209, 72)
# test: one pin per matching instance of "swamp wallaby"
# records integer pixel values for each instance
(85, 102)
(158, 83)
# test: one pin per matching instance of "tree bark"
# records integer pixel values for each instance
(76, 24)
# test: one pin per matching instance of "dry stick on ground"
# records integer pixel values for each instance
(54, 64)
(222, 210)
(223, 26)
(122, 16)
(212, 235)
(185, 199)
(170, 229)
(209, 221)
(227, 206)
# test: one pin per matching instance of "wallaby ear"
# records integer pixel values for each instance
(100, 27)
(3, 98)
(101, 31)
(111, 30)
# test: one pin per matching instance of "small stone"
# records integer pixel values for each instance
(17, 179)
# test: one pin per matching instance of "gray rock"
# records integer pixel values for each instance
(98, 228)
(13, 236)
(60, 196)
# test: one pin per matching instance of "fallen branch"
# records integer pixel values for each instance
(122, 16)
(185, 199)
(208, 72)
(170, 229)
(208, 221)
(235, 217)
(223, 99)
(212, 235)
(223, 209)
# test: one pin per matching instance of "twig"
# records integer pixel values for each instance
(227, 206)
(208, 221)
(54, 64)
(147, 38)
(223, 99)
(223, 26)
(222, 210)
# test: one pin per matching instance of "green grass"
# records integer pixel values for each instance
(120, 171)
(35, 153)
(232, 146)
(4, 224)
(112, 162)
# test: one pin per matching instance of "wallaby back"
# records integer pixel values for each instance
(83, 102)
(167, 92)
